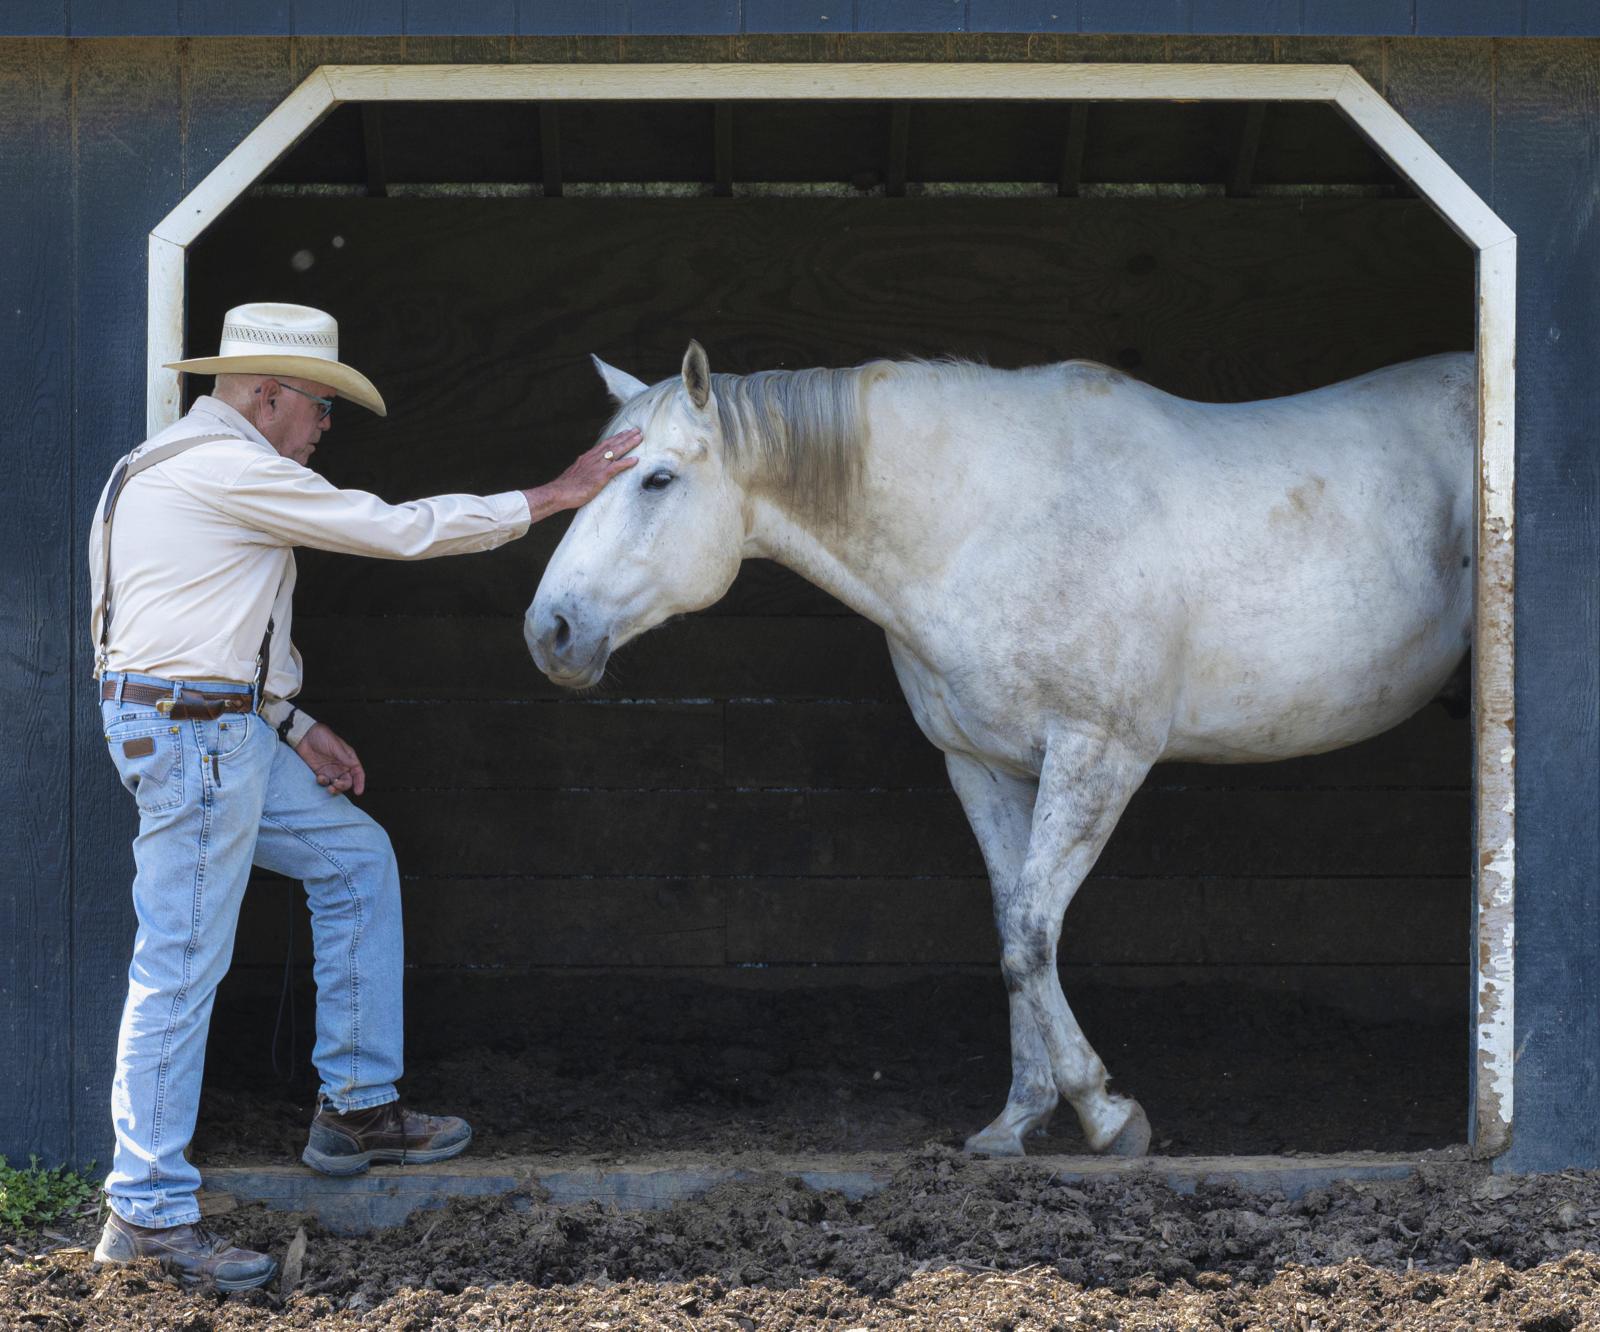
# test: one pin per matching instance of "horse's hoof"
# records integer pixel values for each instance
(1134, 1140)
(992, 1142)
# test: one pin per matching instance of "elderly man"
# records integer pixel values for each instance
(193, 569)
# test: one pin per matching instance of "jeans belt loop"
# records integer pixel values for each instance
(122, 683)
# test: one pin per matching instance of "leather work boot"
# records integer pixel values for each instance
(191, 1253)
(383, 1135)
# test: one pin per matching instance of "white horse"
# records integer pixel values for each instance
(1079, 576)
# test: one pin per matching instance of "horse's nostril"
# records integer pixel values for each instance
(563, 632)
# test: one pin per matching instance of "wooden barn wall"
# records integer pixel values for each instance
(215, 18)
(100, 138)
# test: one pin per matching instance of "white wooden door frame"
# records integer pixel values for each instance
(330, 86)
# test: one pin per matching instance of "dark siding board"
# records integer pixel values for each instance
(230, 87)
(309, 52)
(1194, 833)
(1223, 49)
(411, 657)
(1445, 88)
(473, 49)
(682, 17)
(36, 597)
(823, 744)
(229, 18)
(364, 18)
(1186, 923)
(790, 745)
(797, 15)
(910, 15)
(1478, 18)
(563, 18)
(1020, 15)
(1245, 16)
(610, 922)
(1155, 16)
(35, 18)
(1561, 18)
(1546, 121)
(1438, 18)
(1363, 54)
(117, 18)
(460, 17)
(1357, 17)
(129, 167)
(551, 745)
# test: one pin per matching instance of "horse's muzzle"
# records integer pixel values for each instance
(572, 654)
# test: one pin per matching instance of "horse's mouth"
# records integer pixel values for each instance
(581, 677)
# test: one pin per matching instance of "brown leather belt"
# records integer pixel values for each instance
(190, 705)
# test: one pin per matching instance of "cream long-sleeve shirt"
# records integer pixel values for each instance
(202, 553)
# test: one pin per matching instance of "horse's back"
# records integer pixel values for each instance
(1257, 580)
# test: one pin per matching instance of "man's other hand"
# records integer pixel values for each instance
(334, 762)
(586, 478)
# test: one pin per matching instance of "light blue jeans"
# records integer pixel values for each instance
(214, 798)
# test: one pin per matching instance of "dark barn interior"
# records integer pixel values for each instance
(727, 899)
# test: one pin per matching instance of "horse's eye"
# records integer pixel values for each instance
(658, 480)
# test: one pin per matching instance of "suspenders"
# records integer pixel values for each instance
(126, 470)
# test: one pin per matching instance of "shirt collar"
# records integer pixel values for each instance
(207, 409)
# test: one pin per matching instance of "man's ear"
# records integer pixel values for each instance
(268, 390)
(619, 383)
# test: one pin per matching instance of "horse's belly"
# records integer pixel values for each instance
(1235, 710)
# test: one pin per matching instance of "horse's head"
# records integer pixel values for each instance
(662, 539)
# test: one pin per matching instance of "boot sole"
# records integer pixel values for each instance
(341, 1166)
(188, 1281)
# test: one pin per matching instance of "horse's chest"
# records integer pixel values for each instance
(960, 719)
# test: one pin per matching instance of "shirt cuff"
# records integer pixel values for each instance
(511, 509)
(274, 710)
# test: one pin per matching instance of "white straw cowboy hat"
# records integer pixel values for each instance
(272, 338)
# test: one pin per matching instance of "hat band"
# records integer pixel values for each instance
(278, 337)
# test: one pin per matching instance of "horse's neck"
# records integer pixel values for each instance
(850, 559)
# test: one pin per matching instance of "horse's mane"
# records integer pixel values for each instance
(795, 434)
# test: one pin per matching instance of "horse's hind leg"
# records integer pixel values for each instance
(1000, 810)
(1086, 783)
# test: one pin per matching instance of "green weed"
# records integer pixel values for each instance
(33, 1197)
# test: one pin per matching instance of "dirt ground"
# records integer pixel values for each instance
(594, 1065)
(609, 1069)
(948, 1245)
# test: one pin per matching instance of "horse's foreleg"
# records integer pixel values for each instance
(1000, 810)
(1086, 782)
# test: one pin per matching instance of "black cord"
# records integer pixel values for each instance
(286, 998)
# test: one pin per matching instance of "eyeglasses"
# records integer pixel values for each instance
(326, 403)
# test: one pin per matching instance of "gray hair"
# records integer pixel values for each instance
(794, 434)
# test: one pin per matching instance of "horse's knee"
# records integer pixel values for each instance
(1027, 947)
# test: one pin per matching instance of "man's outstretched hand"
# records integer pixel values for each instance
(334, 762)
(586, 478)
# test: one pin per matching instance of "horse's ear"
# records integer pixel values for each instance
(697, 375)
(619, 383)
